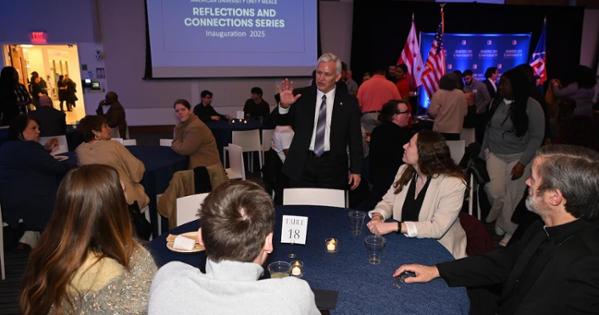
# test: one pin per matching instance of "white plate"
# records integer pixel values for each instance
(192, 235)
(61, 157)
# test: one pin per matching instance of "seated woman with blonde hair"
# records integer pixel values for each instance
(88, 261)
(426, 196)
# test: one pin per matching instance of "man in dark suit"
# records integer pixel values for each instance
(491, 75)
(114, 112)
(554, 268)
(52, 121)
(204, 109)
(326, 122)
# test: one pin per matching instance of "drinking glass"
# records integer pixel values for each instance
(374, 246)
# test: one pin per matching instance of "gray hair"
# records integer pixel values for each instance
(328, 57)
(574, 171)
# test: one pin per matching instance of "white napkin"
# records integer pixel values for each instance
(183, 243)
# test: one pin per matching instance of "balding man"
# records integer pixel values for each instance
(52, 121)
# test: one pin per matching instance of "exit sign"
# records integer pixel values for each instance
(38, 37)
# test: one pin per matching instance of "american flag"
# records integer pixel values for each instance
(435, 63)
(410, 56)
(537, 61)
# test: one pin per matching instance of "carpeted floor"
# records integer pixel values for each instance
(15, 263)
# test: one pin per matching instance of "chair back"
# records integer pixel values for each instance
(115, 133)
(314, 197)
(237, 168)
(62, 147)
(166, 142)
(248, 140)
(188, 207)
(457, 148)
(129, 142)
(267, 139)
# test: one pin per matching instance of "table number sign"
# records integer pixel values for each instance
(294, 229)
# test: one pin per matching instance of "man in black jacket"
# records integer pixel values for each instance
(326, 122)
(52, 121)
(204, 109)
(554, 268)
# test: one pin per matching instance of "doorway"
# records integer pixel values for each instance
(50, 61)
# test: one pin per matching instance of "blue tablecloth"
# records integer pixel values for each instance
(161, 163)
(3, 135)
(363, 288)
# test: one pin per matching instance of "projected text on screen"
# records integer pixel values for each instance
(222, 38)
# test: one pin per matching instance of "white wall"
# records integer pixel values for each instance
(65, 21)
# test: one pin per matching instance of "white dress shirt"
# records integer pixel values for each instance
(281, 140)
(327, 133)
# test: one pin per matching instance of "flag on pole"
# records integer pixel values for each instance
(435, 63)
(537, 60)
(410, 56)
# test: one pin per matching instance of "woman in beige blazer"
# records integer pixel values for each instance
(99, 149)
(193, 138)
(426, 197)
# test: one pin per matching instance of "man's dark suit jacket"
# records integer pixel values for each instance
(52, 121)
(567, 284)
(345, 131)
(115, 116)
(492, 91)
(386, 152)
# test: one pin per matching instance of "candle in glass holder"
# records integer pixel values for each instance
(331, 245)
(297, 269)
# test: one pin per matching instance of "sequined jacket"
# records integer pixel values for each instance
(106, 287)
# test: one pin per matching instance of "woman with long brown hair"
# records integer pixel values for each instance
(426, 197)
(87, 260)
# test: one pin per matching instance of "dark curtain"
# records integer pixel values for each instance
(380, 29)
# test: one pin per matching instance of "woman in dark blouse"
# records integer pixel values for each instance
(29, 176)
(426, 197)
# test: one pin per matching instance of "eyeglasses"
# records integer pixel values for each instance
(404, 112)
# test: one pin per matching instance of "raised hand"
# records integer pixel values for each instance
(286, 93)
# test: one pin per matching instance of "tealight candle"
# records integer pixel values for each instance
(331, 245)
(297, 268)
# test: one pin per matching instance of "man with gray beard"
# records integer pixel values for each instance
(554, 268)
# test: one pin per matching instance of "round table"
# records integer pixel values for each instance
(362, 288)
